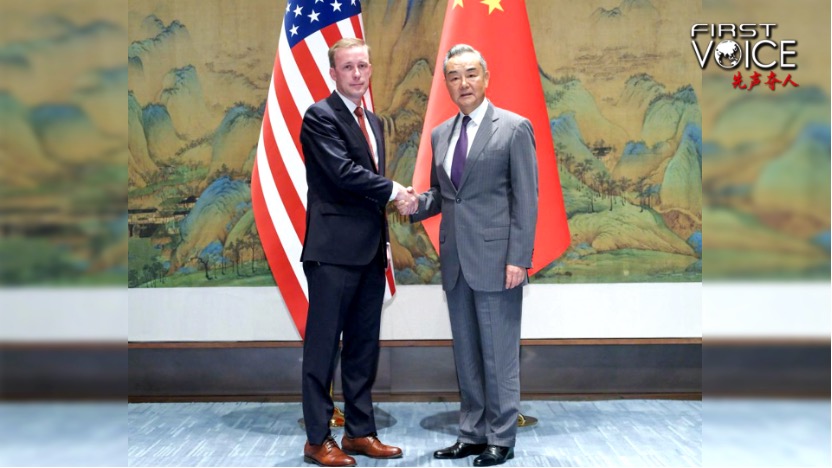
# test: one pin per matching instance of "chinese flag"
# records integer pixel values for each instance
(500, 30)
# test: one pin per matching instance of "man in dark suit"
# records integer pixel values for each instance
(484, 182)
(344, 258)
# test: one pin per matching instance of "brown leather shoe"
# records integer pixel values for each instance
(326, 454)
(369, 446)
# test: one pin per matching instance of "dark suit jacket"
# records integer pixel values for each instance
(346, 198)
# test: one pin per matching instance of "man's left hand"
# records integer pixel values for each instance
(514, 276)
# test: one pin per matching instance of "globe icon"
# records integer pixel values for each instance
(728, 54)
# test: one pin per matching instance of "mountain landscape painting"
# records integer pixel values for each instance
(63, 178)
(622, 92)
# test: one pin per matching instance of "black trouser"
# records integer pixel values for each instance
(344, 299)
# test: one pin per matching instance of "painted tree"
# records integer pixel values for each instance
(206, 265)
(566, 160)
(251, 243)
(148, 275)
(158, 271)
(236, 256)
(133, 278)
(601, 182)
(624, 186)
(640, 188)
(580, 169)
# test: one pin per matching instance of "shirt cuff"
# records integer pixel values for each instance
(396, 188)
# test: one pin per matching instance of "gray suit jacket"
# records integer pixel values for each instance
(490, 221)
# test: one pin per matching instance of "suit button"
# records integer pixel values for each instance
(458, 200)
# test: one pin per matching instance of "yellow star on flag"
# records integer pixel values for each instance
(458, 3)
(492, 5)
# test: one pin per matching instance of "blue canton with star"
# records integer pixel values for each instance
(305, 17)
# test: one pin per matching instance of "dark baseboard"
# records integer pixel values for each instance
(767, 369)
(414, 373)
(63, 371)
(417, 371)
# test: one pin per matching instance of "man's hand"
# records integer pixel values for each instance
(406, 202)
(514, 276)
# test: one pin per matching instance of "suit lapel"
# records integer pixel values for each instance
(484, 133)
(345, 115)
(442, 146)
(378, 134)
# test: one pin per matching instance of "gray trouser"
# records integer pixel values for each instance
(486, 340)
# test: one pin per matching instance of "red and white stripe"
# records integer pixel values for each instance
(278, 184)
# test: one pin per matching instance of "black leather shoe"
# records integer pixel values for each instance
(494, 455)
(459, 450)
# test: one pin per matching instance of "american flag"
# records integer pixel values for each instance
(278, 182)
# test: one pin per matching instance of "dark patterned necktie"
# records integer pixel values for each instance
(359, 112)
(460, 153)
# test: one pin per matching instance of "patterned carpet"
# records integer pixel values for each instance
(570, 433)
(608, 433)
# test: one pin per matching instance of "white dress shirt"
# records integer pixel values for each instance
(476, 119)
(351, 106)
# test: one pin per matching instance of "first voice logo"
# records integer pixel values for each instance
(732, 45)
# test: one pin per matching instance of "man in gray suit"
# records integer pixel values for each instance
(486, 191)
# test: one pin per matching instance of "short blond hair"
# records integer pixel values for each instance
(346, 43)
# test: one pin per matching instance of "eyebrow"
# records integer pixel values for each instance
(450, 72)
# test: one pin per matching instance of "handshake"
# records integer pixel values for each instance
(406, 200)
